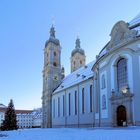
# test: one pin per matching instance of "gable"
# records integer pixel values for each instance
(121, 33)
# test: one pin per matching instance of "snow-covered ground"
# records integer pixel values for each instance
(131, 133)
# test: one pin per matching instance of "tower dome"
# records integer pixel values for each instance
(52, 37)
(78, 49)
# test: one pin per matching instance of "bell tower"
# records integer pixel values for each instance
(51, 76)
(78, 57)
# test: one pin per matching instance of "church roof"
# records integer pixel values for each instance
(76, 77)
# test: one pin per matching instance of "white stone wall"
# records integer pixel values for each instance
(73, 119)
(103, 93)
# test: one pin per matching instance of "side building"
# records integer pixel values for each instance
(2, 113)
(25, 118)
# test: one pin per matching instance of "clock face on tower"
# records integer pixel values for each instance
(55, 78)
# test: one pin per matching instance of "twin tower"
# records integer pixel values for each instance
(53, 73)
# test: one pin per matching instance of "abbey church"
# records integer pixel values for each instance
(105, 92)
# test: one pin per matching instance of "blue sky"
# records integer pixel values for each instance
(24, 28)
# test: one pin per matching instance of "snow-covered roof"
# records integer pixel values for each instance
(37, 112)
(76, 77)
(24, 111)
(135, 21)
(138, 30)
(135, 24)
(2, 105)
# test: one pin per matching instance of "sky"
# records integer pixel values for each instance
(24, 29)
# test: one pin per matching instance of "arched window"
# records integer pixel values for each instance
(58, 106)
(80, 61)
(74, 63)
(75, 102)
(55, 64)
(91, 98)
(122, 74)
(63, 105)
(69, 104)
(103, 81)
(103, 102)
(83, 100)
(54, 53)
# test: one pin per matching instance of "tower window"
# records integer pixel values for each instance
(74, 63)
(80, 61)
(54, 53)
(55, 64)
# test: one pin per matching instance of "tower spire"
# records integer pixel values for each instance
(52, 32)
(77, 43)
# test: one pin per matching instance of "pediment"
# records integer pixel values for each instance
(121, 33)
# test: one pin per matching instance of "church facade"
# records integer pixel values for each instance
(105, 92)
